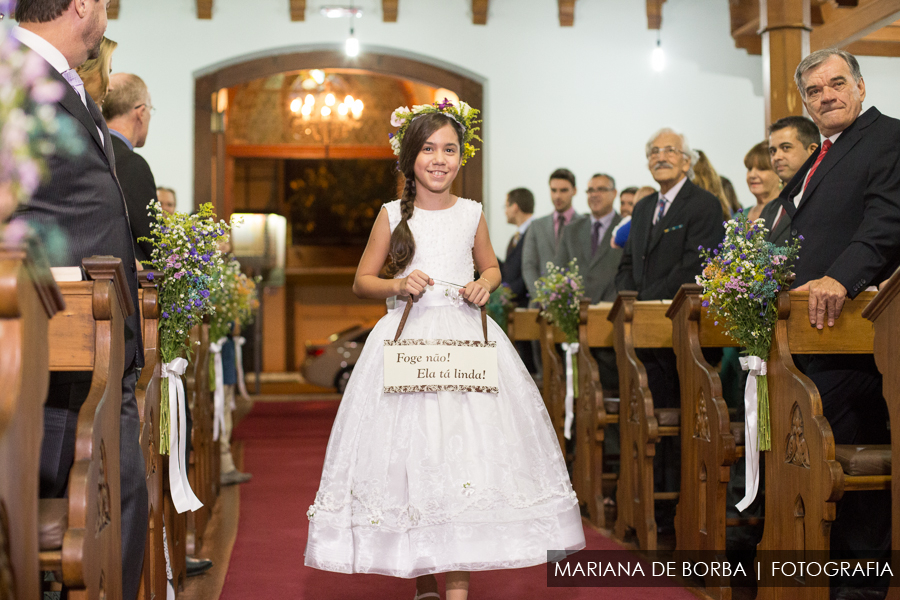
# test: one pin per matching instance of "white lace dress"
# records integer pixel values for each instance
(447, 481)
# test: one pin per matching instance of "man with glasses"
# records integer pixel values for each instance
(662, 253)
(127, 111)
(587, 239)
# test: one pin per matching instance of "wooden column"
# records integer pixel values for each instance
(785, 27)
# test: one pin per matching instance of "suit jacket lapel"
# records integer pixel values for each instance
(72, 104)
(672, 215)
(100, 122)
(605, 247)
(841, 147)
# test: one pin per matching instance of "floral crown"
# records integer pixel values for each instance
(460, 112)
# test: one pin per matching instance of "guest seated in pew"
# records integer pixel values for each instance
(166, 197)
(762, 179)
(94, 72)
(662, 253)
(621, 231)
(627, 201)
(791, 142)
(845, 203)
(587, 239)
(82, 197)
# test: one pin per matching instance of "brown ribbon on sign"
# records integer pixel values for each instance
(409, 305)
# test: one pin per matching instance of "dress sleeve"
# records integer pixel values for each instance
(393, 211)
(475, 211)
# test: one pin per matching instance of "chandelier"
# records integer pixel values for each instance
(322, 108)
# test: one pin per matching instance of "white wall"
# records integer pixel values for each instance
(581, 97)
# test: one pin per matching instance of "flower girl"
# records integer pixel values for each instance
(447, 481)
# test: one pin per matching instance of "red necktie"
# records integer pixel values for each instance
(826, 146)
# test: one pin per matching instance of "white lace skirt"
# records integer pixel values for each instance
(435, 482)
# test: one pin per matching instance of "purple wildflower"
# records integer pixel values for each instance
(149, 276)
(165, 315)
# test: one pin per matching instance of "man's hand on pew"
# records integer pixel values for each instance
(826, 299)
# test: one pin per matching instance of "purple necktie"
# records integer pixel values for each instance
(595, 237)
(662, 210)
(75, 81)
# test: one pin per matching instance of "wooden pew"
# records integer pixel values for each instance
(526, 324)
(28, 300)
(639, 325)
(88, 336)
(147, 394)
(715, 442)
(884, 312)
(204, 463)
(804, 478)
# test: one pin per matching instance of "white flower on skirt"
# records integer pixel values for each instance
(311, 512)
(375, 517)
(468, 489)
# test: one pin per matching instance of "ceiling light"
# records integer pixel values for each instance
(337, 12)
(658, 58)
(351, 47)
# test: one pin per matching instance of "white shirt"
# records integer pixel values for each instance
(799, 196)
(669, 198)
(524, 226)
(52, 55)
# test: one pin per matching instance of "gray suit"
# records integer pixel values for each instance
(598, 270)
(540, 248)
(599, 274)
(780, 235)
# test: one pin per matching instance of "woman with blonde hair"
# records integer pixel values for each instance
(706, 177)
(762, 180)
(95, 72)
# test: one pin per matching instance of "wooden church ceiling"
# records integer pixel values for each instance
(390, 10)
(863, 27)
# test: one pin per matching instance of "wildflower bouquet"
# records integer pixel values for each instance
(559, 294)
(499, 305)
(740, 280)
(186, 252)
(30, 130)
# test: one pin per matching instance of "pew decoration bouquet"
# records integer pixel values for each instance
(235, 299)
(741, 279)
(186, 252)
(559, 295)
(499, 305)
(30, 130)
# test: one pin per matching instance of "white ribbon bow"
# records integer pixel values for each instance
(757, 367)
(182, 495)
(239, 365)
(219, 392)
(570, 349)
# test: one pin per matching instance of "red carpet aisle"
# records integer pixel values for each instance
(284, 448)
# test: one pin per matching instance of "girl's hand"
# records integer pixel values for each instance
(415, 284)
(477, 292)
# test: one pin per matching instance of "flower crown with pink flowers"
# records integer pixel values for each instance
(460, 112)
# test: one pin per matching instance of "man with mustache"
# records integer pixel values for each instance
(791, 141)
(81, 196)
(845, 202)
(661, 254)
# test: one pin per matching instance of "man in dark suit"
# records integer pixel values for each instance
(845, 202)
(791, 141)
(82, 197)
(519, 212)
(587, 239)
(127, 110)
(662, 253)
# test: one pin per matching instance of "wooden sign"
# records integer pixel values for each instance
(440, 366)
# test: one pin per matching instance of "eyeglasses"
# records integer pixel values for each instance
(150, 107)
(597, 190)
(667, 151)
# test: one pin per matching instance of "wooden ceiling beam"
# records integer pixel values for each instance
(885, 34)
(865, 48)
(479, 12)
(112, 11)
(204, 9)
(566, 13)
(654, 13)
(298, 10)
(843, 27)
(389, 9)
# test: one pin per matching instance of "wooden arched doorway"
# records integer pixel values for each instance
(315, 300)
(210, 164)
